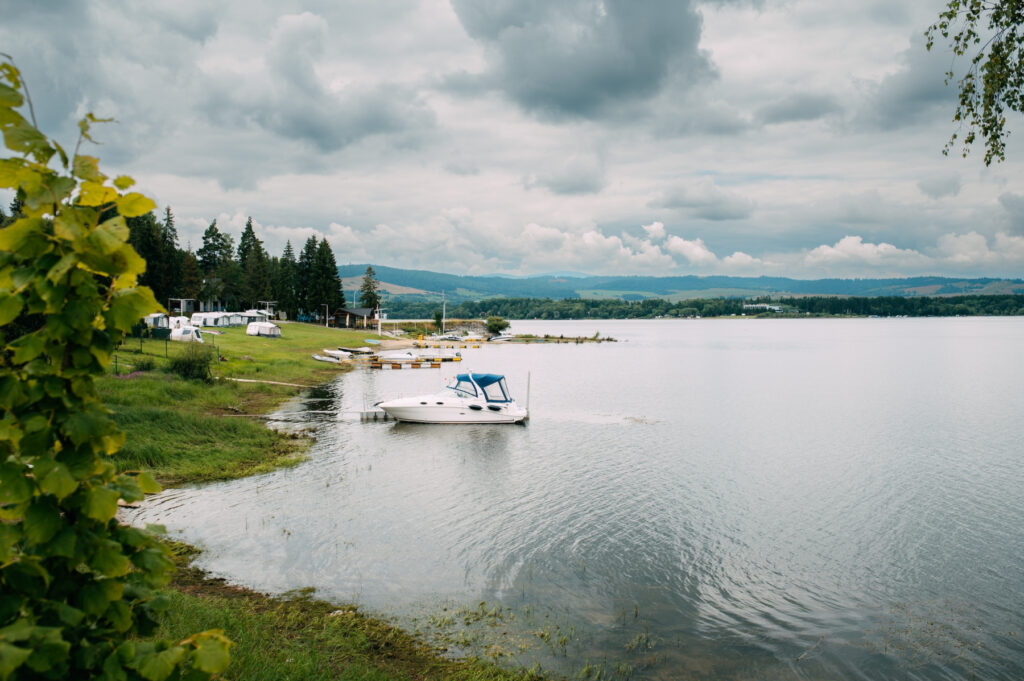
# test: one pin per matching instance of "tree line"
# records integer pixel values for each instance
(579, 308)
(229, 277)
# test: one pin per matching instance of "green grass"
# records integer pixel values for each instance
(303, 639)
(189, 430)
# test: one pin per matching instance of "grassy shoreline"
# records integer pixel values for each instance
(185, 431)
(299, 637)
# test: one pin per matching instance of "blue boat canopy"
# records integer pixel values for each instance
(492, 385)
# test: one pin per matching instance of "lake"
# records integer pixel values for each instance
(716, 499)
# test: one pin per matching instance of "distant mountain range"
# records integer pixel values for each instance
(425, 285)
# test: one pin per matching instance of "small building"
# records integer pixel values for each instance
(353, 317)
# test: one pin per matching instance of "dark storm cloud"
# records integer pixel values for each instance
(583, 58)
(798, 107)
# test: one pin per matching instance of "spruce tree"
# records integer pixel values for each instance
(369, 295)
(304, 277)
(285, 282)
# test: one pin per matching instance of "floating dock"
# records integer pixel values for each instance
(432, 364)
(374, 415)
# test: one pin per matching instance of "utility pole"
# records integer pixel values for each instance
(443, 312)
(327, 312)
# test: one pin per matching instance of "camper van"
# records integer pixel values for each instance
(187, 334)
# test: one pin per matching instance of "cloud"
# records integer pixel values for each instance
(578, 174)
(1014, 206)
(798, 107)
(655, 231)
(912, 94)
(853, 250)
(704, 199)
(695, 252)
(285, 95)
(583, 58)
(940, 186)
(741, 261)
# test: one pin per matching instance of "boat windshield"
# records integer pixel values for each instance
(495, 392)
(463, 386)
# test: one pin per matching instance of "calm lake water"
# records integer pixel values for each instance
(714, 499)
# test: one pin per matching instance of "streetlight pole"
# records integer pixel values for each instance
(327, 311)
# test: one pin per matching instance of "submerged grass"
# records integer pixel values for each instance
(302, 638)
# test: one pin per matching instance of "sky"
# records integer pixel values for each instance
(794, 138)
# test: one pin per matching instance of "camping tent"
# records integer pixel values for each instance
(263, 329)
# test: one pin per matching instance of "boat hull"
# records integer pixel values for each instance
(413, 410)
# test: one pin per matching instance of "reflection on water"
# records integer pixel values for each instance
(793, 499)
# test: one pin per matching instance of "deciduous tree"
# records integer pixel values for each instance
(994, 82)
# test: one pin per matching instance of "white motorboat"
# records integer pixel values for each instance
(337, 354)
(470, 398)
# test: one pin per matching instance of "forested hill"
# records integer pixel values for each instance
(429, 285)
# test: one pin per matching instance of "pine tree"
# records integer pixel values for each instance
(144, 234)
(369, 295)
(191, 283)
(326, 283)
(285, 283)
(209, 253)
(246, 245)
(304, 277)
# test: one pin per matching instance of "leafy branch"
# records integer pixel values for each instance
(77, 589)
(995, 80)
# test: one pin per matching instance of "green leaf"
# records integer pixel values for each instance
(211, 655)
(88, 168)
(96, 194)
(158, 666)
(42, 521)
(123, 182)
(10, 172)
(133, 204)
(59, 482)
(27, 348)
(10, 307)
(84, 426)
(109, 560)
(11, 657)
(15, 237)
(23, 138)
(10, 97)
(101, 503)
(9, 536)
(128, 306)
(152, 560)
(14, 485)
(110, 235)
(147, 484)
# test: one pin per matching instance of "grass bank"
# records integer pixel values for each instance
(301, 638)
(191, 431)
